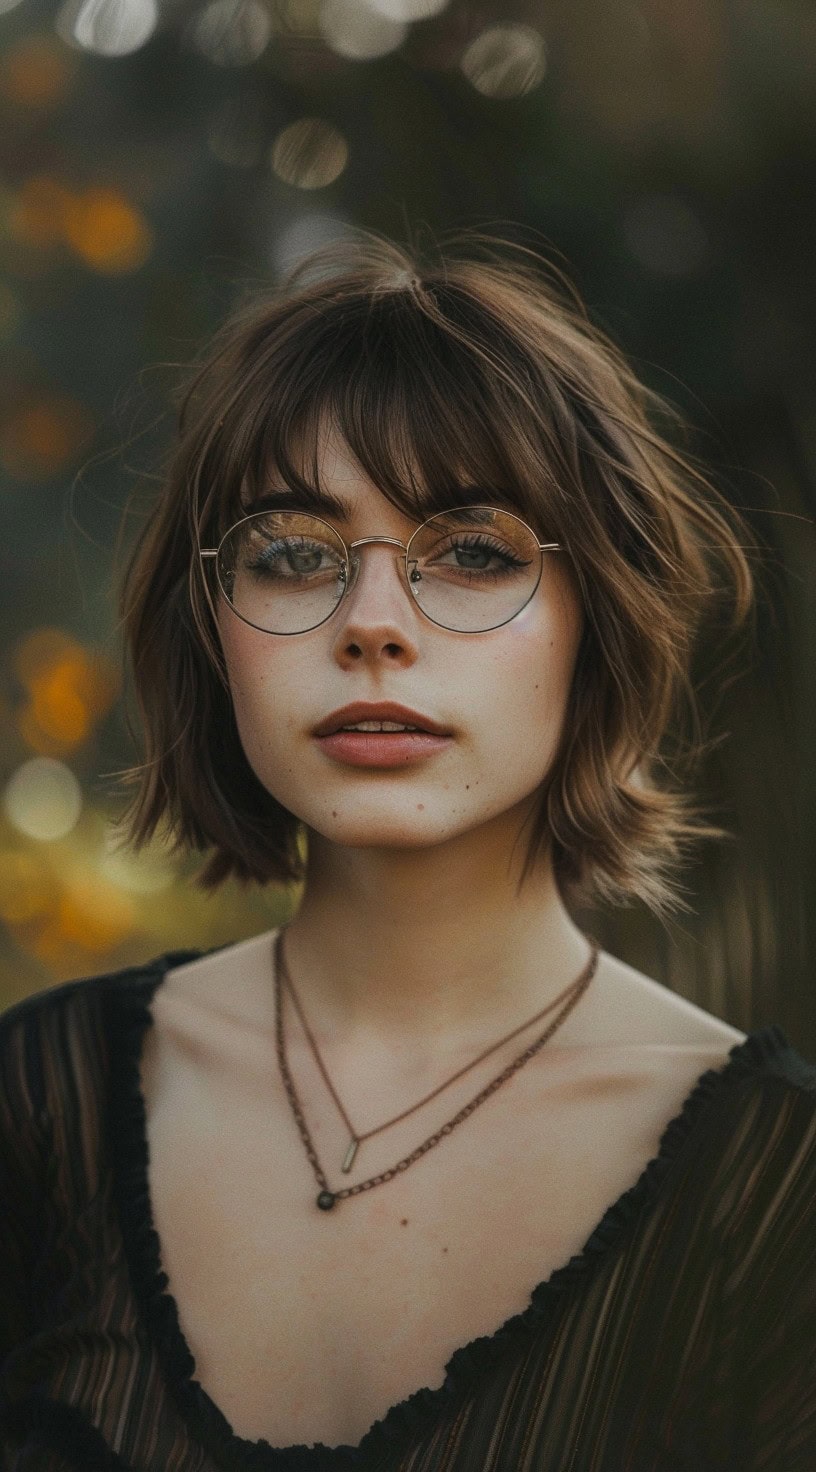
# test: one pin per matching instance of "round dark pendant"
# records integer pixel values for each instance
(326, 1200)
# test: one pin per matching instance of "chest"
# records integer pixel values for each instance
(308, 1325)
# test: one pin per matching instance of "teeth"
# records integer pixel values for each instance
(378, 726)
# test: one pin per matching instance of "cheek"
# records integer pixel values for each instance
(264, 678)
(531, 674)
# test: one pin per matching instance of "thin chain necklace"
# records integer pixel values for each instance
(326, 1197)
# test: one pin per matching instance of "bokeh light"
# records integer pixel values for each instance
(408, 10)
(43, 799)
(231, 32)
(34, 73)
(26, 889)
(113, 27)
(505, 61)
(68, 687)
(90, 914)
(353, 28)
(107, 231)
(309, 154)
(41, 434)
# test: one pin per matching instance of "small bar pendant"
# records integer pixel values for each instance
(350, 1154)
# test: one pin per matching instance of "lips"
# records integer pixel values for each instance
(350, 715)
(382, 748)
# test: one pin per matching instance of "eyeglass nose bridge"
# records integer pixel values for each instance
(355, 562)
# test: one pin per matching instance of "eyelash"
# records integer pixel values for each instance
(466, 542)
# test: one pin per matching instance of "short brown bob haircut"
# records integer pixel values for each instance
(477, 366)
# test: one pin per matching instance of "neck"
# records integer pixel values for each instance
(433, 949)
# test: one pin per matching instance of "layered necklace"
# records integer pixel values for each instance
(327, 1198)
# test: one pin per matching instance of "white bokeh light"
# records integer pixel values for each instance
(505, 61)
(407, 10)
(309, 154)
(43, 799)
(112, 27)
(353, 28)
(231, 32)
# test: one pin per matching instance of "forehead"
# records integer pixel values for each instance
(335, 485)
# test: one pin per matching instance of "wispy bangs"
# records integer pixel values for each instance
(400, 379)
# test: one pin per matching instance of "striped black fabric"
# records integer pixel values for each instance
(682, 1338)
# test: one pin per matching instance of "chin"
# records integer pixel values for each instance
(386, 831)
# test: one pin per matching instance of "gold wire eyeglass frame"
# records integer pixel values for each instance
(353, 567)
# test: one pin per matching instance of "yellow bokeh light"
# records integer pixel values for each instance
(309, 154)
(35, 73)
(58, 708)
(68, 687)
(94, 915)
(27, 892)
(38, 651)
(40, 436)
(108, 232)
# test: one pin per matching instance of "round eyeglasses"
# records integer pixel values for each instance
(469, 570)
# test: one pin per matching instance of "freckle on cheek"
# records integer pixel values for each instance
(334, 812)
(420, 807)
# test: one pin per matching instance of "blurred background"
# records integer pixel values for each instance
(158, 158)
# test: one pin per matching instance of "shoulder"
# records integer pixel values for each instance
(55, 1044)
(625, 1006)
(37, 1038)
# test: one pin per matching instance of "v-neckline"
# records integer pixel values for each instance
(128, 1015)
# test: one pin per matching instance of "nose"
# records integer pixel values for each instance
(376, 621)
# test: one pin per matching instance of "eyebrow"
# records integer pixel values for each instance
(285, 499)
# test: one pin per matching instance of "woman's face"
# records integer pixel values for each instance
(500, 695)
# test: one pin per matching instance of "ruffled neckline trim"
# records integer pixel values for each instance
(128, 1009)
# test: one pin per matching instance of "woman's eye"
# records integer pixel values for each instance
(478, 556)
(287, 558)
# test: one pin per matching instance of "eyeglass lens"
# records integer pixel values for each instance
(469, 570)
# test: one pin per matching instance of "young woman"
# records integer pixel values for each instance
(421, 1180)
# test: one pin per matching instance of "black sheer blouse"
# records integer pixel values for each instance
(682, 1338)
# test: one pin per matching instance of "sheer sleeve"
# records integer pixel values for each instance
(23, 1168)
(779, 1346)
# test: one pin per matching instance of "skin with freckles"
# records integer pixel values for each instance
(417, 864)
